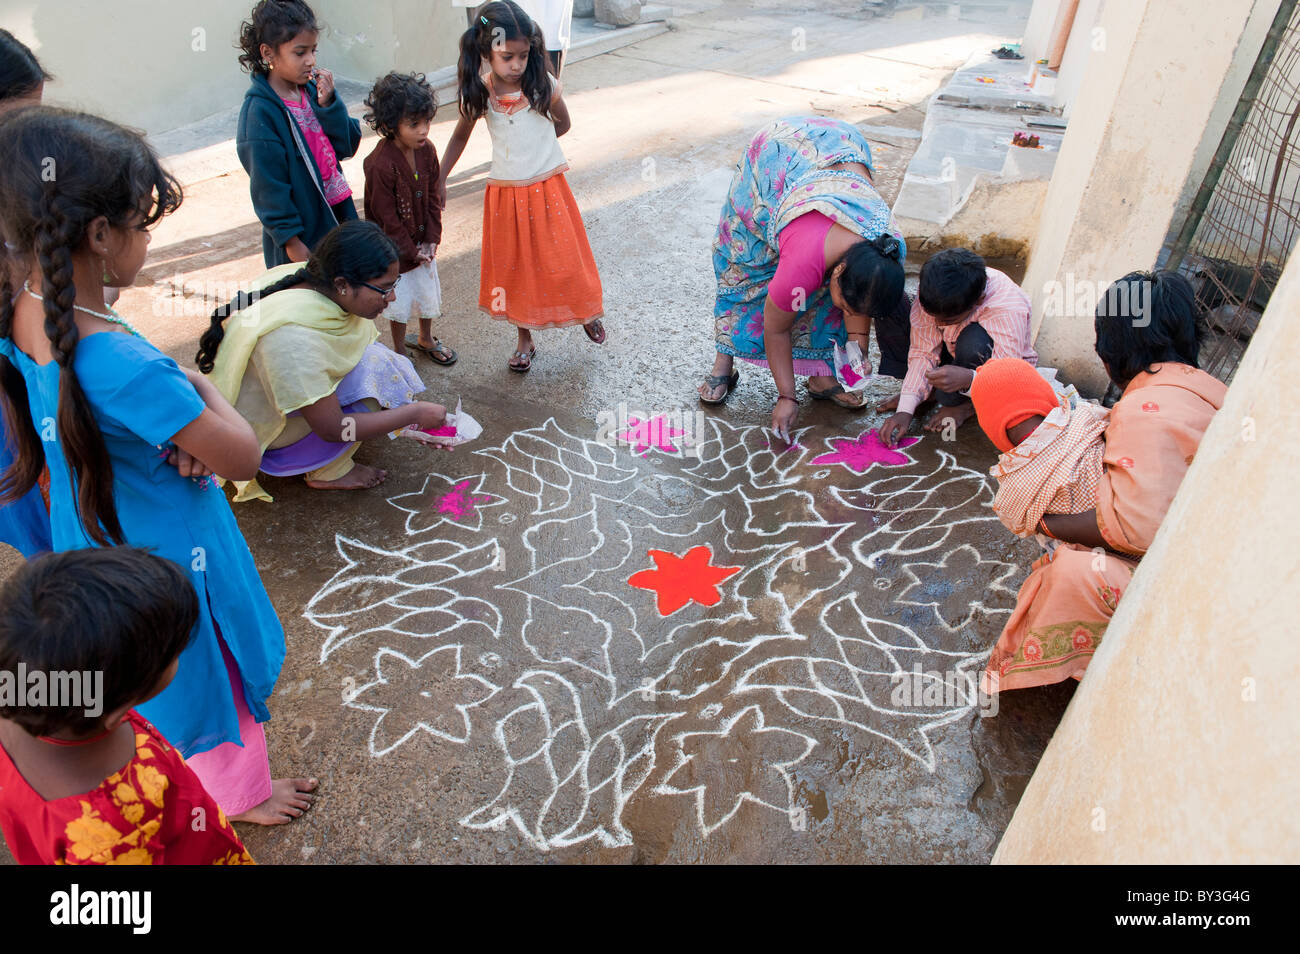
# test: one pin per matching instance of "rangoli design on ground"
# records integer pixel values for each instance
(676, 629)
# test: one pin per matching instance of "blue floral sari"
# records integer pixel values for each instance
(783, 175)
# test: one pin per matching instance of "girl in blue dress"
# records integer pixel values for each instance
(130, 439)
(24, 521)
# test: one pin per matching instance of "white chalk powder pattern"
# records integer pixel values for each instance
(590, 696)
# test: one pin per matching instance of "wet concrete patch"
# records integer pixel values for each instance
(644, 657)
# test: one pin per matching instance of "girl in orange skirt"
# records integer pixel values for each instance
(538, 271)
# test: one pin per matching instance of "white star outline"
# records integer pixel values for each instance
(461, 708)
(699, 791)
(419, 511)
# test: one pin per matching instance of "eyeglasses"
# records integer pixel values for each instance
(382, 291)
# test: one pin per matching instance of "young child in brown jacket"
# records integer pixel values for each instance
(401, 181)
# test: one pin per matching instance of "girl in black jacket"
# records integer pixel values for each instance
(293, 130)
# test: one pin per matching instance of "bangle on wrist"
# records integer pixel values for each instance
(787, 397)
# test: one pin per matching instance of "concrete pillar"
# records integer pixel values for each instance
(1038, 29)
(1152, 84)
(1180, 745)
(1242, 64)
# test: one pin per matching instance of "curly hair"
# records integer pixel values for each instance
(397, 97)
(272, 22)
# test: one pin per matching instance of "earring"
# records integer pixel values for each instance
(108, 276)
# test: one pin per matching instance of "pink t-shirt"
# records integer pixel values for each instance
(1003, 311)
(802, 263)
(335, 185)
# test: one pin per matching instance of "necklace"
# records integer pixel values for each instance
(110, 315)
(93, 738)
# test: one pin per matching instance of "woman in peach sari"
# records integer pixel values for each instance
(1148, 334)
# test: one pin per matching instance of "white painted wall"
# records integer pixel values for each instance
(157, 66)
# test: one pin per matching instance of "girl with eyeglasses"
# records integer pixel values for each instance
(298, 358)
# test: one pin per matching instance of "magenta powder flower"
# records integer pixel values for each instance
(861, 453)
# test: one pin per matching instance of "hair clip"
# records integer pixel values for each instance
(484, 20)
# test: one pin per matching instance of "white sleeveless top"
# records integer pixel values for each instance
(525, 148)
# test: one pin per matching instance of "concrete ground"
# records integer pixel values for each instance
(482, 665)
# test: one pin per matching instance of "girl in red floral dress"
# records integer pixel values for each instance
(85, 636)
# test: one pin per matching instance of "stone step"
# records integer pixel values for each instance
(650, 13)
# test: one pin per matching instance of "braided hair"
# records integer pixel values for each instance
(26, 468)
(498, 22)
(355, 251)
(63, 170)
(20, 75)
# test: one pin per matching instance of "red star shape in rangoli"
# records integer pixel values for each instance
(678, 580)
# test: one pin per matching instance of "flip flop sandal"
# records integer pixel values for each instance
(527, 361)
(717, 381)
(833, 394)
(595, 331)
(439, 353)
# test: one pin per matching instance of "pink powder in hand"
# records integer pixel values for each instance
(447, 430)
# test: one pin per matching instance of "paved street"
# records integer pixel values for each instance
(617, 627)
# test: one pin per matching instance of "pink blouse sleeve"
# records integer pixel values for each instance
(802, 262)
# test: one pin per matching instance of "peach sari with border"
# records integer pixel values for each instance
(1064, 606)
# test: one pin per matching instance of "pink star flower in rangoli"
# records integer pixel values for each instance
(655, 433)
(678, 580)
(861, 453)
(458, 503)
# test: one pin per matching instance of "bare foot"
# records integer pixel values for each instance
(958, 415)
(360, 477)
(889, 404)
(289, 798)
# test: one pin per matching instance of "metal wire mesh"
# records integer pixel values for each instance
(1251, 205)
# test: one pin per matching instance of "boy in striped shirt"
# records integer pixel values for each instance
(965, 314)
